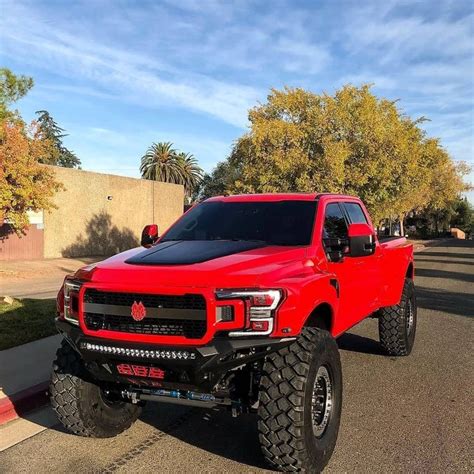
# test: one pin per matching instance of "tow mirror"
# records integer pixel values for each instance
(361, 240)
(149, 235)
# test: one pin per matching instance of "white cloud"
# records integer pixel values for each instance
(136, 77)
(219, 58)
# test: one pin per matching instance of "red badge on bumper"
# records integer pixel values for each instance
(141, 371)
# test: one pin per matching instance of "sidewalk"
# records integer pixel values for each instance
(24, 376)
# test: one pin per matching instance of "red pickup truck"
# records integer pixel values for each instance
(237, 305)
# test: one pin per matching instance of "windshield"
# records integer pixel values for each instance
(275, 223)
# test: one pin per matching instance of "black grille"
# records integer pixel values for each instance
(189, 301)
(194, 328)
(163, 327)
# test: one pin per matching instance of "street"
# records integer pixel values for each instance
(412, 414)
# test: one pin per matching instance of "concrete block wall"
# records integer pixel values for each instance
(102, 214)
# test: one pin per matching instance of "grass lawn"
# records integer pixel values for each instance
(26, 320)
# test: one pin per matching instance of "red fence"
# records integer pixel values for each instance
(27, 247)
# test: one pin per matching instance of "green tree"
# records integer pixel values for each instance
(191, 173)
(162, 162)
(12, 89)
(50, 130)
(350, 142)
(226, 176)
(463, 215)
(218, 182)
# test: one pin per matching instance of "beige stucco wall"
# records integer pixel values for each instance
(86, 222)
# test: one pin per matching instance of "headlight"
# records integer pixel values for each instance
(71, 301)
(260, 307)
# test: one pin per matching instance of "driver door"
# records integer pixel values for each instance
(354, 297)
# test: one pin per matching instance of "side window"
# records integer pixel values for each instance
(355, 212)
(335, 226)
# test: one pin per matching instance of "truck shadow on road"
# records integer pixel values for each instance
(356, 343)
(451, 262)
(214, 431)
(445, 254)
(447, 275)
(450, 302)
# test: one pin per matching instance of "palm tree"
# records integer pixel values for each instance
(160, 163)
(191, 172)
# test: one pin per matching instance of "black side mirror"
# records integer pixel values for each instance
(149, 235)
(361, 240)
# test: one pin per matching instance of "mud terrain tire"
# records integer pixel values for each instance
(397, 324)
(300, 403)
(80, 405)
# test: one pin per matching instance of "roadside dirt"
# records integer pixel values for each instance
(26, 269)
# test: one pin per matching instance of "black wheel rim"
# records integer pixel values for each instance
(321, 401)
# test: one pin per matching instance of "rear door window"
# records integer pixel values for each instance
(355, 213)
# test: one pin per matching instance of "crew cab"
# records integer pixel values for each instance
(238, 305)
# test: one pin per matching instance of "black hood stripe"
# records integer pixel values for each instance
(186, 252)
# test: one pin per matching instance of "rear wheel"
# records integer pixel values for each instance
(82, 407)
(300, 403)
(397, 324)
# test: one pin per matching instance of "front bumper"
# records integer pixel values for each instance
(184, 367)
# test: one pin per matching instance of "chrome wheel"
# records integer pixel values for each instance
(321, 401)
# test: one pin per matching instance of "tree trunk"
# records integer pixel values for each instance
(402, 227)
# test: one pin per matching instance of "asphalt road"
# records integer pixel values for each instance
(411, 414)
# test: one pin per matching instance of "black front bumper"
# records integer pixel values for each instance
(184, 367)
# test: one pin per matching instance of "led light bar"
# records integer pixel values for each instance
(145, 353)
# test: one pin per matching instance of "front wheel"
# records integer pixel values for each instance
(397, 324)
(82, 407)
(300, 403)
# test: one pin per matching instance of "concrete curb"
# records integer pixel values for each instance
(25, 372)
(16, 405)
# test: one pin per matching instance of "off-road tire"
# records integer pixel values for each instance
(80, 405)
(285, 412)
(397, 324)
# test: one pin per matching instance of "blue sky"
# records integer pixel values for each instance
(119, 75)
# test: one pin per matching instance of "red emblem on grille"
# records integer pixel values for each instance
(138, 311)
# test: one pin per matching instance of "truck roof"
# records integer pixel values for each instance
(274, 197)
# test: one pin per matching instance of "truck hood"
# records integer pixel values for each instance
(213, 264)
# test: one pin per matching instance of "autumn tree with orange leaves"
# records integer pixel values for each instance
(25, 184)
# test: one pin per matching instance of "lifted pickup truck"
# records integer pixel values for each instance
(237, 305)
